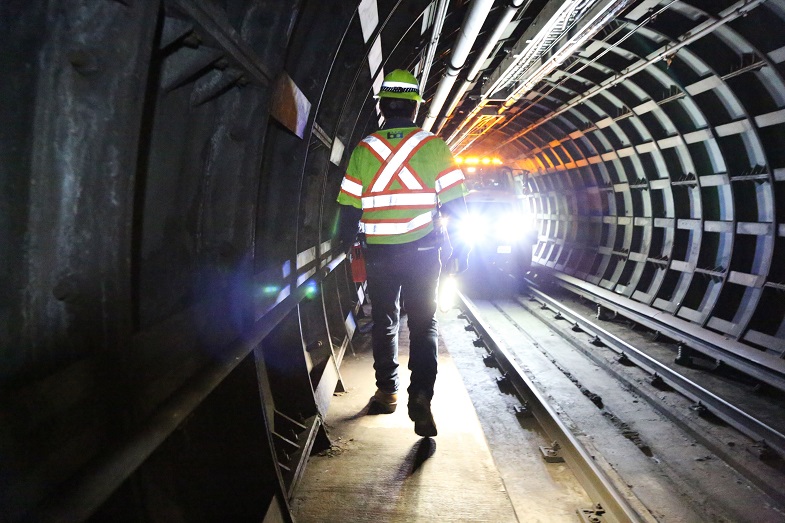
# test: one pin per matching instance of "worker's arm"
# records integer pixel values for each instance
(348, 226)
(455, 211)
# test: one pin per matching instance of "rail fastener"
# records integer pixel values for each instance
(592, 515)
(551, 454)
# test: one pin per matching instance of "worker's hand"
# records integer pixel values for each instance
(457, 264)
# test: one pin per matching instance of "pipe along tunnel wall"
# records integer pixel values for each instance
(168, 173)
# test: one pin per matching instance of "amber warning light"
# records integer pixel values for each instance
(478, 160)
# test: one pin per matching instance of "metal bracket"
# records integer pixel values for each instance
(684, 355)
(657, 381)
(763, 451)
(523, 411)
(505, 383)
(605, 314)
(700, 409)
(490, 361)
(551, 454)
(592, 515)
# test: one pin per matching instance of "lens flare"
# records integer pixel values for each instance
(448, 293)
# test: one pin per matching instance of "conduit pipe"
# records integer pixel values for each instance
(740, 9)
(471, 77)
(470, 28)
(438, 24)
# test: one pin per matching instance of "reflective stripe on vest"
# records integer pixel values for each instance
(392, 228)
(384, 153)
(392, 162)
(419, 199)
(448, 179)
(352, 187)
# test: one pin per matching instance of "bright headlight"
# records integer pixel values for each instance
(473, 229)
(510, 228)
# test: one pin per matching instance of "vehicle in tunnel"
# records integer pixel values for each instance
(500, 228)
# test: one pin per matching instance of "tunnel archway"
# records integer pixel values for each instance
(168, 174)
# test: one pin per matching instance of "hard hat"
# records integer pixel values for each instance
(400, 84)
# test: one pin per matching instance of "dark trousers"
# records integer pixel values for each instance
(393, 271)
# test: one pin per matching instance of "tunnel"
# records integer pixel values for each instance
(175, 309)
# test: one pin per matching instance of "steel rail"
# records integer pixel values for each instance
(598, 485)
(737, 418)
(760, 365)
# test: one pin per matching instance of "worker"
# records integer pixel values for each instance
(401, 185)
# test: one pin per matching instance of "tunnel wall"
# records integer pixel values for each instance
(657, 167)
(173, 312)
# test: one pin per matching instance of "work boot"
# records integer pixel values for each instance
(420, 414)
(383, 402)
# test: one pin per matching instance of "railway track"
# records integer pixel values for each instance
(648, 439)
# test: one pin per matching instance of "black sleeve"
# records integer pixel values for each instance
(348, 226)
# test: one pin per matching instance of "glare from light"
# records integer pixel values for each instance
(311, 290)
(269, 290)
(514, 226)
(510, 228)
(448, 292)
(472, 229)
(471, 169)
(486, 161)
(529, 221)
(502, 229)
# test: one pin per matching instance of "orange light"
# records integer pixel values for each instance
(478, 160)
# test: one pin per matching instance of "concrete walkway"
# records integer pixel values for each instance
(378, 470)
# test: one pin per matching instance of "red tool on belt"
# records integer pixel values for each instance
(357, 258)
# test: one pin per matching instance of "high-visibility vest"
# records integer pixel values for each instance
(398, 177)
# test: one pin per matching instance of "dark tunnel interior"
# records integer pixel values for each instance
(168, 180)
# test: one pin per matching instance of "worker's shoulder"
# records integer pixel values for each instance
(393, 136)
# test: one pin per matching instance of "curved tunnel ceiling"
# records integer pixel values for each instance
(216, 136)
(656, 167)
(652, 133)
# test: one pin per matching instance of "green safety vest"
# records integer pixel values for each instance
(397, 177)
